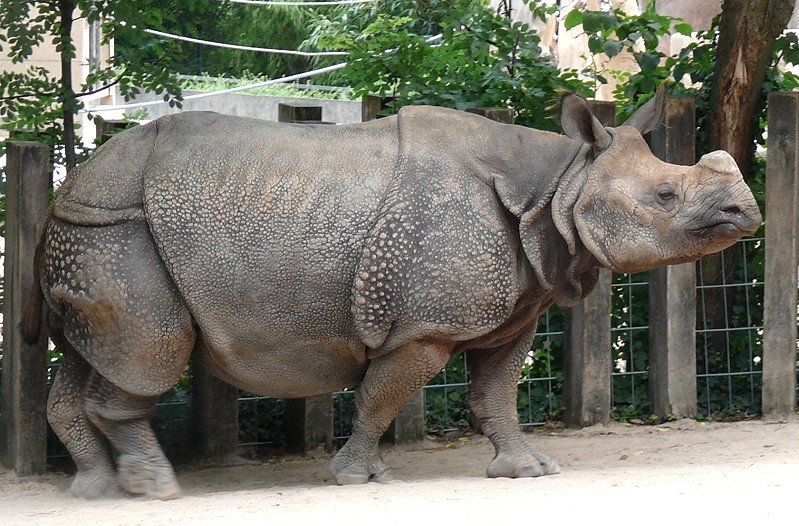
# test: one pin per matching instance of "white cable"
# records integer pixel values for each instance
(308, 4)
(248, 48)
(281, 80)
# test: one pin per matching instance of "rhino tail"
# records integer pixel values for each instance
(31, 324)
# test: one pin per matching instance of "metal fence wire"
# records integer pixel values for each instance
(730, 330)
(729, 373)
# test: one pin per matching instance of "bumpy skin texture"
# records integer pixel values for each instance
(311, 258)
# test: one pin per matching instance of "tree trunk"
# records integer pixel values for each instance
(747, 30)
(69, 102)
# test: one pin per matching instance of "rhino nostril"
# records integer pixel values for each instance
(732, 210)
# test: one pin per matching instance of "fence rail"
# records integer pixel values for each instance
(638, 341)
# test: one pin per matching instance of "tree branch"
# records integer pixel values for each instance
(106, 86)
(25, 95)
(473, 32)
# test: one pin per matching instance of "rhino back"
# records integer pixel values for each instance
(107, 189)
(261, 224)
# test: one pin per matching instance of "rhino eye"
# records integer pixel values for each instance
(666, 195)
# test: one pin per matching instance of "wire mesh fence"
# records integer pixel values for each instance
(730, 330)
(729, 373)
(629, 332)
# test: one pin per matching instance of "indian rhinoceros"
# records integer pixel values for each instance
(310, 258)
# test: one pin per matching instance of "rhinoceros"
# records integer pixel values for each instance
(310, 258)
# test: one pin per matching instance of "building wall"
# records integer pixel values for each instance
(45, 55)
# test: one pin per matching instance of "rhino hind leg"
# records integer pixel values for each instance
(119, 309)
(142, 467)
(492, 399)
(88, 448)
(389, 382)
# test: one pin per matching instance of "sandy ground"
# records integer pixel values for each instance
(683, 471)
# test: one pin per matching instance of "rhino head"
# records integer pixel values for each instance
(636, 212)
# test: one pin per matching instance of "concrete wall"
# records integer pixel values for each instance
(256, 106)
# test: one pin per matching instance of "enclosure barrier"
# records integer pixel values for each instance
(587, 363)
(672, 289)
(672, 309)
(23, 428)
(782, 211)
(587, 393)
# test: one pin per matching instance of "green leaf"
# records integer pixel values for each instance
(648, 61)
(612, 48)
(595, 21)
(683, 29)
(595, 44)
(573, 19)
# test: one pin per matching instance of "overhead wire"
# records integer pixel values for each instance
(247, 48)
(281, 80)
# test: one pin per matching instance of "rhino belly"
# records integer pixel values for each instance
(275, 367)
(262, 242)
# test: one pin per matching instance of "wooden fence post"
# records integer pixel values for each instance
(587, 364)
(108, 128)
(214, 403)
(780, 295)
(215, 411)
(370, 107)
(503, 115)
(672, 289)
(296, 113)
(309, 421)
(408, 426)
(24, 377)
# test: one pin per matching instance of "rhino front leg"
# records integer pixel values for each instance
(86, 445)
(492, 397)
(124, 418)
(389, 382)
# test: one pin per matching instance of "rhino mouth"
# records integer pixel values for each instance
(726, 228)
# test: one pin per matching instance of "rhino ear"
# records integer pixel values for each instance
(647, 117)
(579, 123)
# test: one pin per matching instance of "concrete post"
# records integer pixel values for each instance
(672, 289)
(780, 296)
(108, 128)
(587, 364)
(24, 377)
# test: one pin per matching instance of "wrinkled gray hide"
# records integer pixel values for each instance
(312, 258)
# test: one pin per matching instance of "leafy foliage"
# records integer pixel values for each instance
(483, 59)
(36, 100)
(247, 25)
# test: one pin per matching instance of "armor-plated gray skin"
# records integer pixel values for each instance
(312, 258)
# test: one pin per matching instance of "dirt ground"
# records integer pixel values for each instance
(682, 471)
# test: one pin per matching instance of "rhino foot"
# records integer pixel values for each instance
(518, 466)
(147, 476)
(94, 485)
(349, 471)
